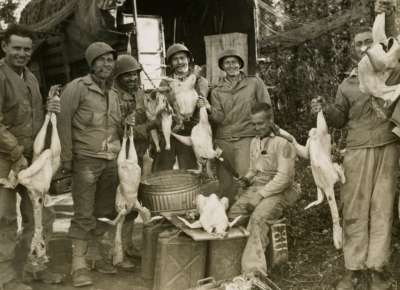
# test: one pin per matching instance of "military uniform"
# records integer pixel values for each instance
(21, 116)
(371, 168)
(271, 173)
(231, 110)
(91, 129)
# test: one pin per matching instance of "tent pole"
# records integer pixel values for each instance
(136, 30)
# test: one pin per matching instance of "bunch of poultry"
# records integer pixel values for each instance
(129, 173)
(37, 179)
(156, 105)
(325, 172)
(213, 218)
(378, 63)
(201, 141)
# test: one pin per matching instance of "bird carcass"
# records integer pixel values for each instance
(213, 218)
(157, 106)
(36, 179)
(376, 66)
(201, 140)
(325, 172)
(129, 173)
(184, 95)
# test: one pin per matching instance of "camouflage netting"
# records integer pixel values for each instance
(44, 15)
(81, 22)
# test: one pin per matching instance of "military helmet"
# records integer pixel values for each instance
(175, 48)
(97, 49)
(126, 63)
(230, 52)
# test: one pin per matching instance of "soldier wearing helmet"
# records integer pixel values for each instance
(180, 60)
(231, 102)
(91, 126)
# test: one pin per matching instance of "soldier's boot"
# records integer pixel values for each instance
(80, 272)
(379, 281)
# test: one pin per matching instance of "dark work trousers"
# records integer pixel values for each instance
(94, 187)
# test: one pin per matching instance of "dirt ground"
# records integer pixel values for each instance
(314, 263)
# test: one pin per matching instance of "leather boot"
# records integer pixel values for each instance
(347, 282)
(379, 281)
(99, 261)
(80, 271)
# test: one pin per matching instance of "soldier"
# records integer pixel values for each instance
(91, 129)
(269, 187)
(231, 101)
(180, 59)
(21, 116)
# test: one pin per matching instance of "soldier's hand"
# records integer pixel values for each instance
(385, 6)
(53, 100)
(131, 119)
(243, 181)
(254, 201)
(19, 165)
(202, 102)
(317, 104)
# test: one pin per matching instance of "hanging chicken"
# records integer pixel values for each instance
(37, 178)
(129, 173)
(201, 140)
(325, 172)
(213, 218)
(378, 63)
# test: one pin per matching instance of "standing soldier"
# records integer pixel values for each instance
(371, 165)
(231, 102)
(21, 116)
(179, 58)
(91, 130)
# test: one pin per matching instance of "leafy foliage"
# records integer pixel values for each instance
(7, 9)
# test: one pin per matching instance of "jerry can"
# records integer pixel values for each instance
(149, 249)
(224, 258)
(278, 252)
(180, 262)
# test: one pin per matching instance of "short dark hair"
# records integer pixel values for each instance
(263, 107)
(16, 29)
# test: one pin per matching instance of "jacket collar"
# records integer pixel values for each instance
(93, 86)
(226, 85)
(27, 80)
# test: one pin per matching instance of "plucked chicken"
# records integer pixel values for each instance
(36, 179)
(184, 93)
(378, 63)
(129, 173)
(213, 218)
(325, 172)
(201, 140)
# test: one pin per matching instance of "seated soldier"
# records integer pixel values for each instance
(269, 187)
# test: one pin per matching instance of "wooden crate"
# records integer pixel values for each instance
(215, 44)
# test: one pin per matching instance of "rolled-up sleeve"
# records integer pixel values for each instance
(286, 155)
(8, 142)
(70, 98)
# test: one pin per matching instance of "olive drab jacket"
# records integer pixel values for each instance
(90, 122)
(21, 112)
(231, 106)
(362, 114)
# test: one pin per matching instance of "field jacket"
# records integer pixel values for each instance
(231, 106)
(362, 114)
(90, 122)
(21, 112)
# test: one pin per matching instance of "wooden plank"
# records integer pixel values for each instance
(215, 44)
(201, 235)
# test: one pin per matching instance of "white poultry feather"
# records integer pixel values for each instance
(213, 218)
(376, 66)
(325, 172)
